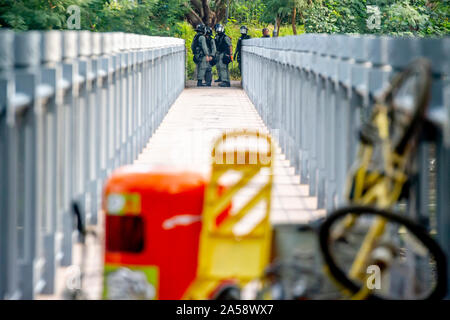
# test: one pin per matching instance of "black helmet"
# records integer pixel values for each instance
(201, 28)
(219, 28)
(209, 31)
(244, 30)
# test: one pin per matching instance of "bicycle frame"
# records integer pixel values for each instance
(381, 189)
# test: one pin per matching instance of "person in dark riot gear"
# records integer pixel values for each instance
(212, 49)
(202, 55)
(237, 54)
(224, 55)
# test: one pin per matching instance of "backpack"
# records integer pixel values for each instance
(196, 50)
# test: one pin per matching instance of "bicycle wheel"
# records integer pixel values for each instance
(404, 262)
(407, 99)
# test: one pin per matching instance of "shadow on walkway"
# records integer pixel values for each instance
(193, 84)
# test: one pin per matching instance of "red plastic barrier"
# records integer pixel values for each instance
(153, 223)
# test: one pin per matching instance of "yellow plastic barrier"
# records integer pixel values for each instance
(223, 254)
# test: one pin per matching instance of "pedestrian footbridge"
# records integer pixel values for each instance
(74, 106)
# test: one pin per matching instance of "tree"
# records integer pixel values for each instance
(337, 16)
(284, 9)
(278, 10)
(298, 5)
(208, 12)
(301, 6)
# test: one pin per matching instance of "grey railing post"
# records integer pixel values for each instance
(8, 280)
(330, 64)
(346, 110)
(81, 129)
(94, 129)
(28, 166)
(50, 92)
(70, 98)
(321, 110)
(304, 85)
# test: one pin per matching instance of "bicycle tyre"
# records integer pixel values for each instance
(439, 291)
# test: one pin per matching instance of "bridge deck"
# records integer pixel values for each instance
(197, 118)
(185, 139)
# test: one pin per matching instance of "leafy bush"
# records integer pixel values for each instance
(153, 17)
(247, 11)
(186, 32)
(399, 17)
(34, 14)
(121, 15)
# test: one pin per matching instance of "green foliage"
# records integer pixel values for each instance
(34, 14)
(404, 19)
(276, 8)
(283, 10)
(154, 17)
(186, 32)
(247, 11)
(399, 17)
(165, 17)
(121, 15)
(337, 16)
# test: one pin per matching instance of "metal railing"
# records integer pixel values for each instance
(313, 91)
(74, 105)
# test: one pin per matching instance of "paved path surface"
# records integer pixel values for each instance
(197, 118)
(185, 139)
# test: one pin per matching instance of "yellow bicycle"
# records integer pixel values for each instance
(368, 250)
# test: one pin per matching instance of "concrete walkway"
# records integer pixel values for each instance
(197, 119)
(185, 138)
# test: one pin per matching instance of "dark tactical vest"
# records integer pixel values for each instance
(196, 45)
(221, 44)
(239, 45)
(197, 49)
